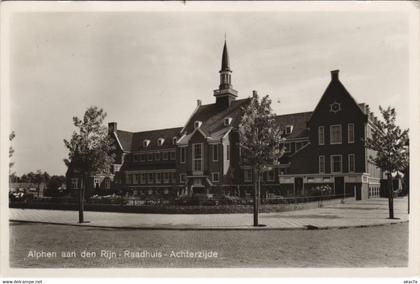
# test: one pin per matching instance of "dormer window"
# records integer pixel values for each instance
(228, 121)
(146, 143)
(197, 124)
(289, 129)
(160, 141)
(174, 139)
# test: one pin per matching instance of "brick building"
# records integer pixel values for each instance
(324, 149)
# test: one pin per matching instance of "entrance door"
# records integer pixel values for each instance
(339, 185)
(299, 186)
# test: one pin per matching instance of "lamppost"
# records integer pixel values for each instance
(81, 159)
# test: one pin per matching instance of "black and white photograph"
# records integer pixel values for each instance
(209, 135)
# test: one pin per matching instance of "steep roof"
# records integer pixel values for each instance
(212, 117)
(225, 59)
(133, 141)
(298, 121)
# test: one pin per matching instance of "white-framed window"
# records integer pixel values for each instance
(129, 179)
(151, 178)
(248, 175)
(287, 147)
(183, 155)
(288, 129)
(352, 163)
(197, 157)
(146, 143)
(165, 156)
(321, 135)
(174, 139)
(75, 183)
(143, 178)
(173, 177)
(96, 182)
(215, 152)
(157, 156)
(227, 121)
(150, 192)
(142, 157)
(182, 178)
(336, 164)
(107, 183)
(197, 124)
(165, 177)
(321, 164)
(335, 134)
(137, 179)
(270, 175)
(215, 177)
(160, 141)
(166, 191)
(350, 133)
(172, 155)
(150, 157)
(158, 177)
(227, 152)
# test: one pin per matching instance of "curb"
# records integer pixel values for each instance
(174, 228)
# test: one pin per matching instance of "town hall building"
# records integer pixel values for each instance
(325, 148)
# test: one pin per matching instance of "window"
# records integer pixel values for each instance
(173, 177)
(146, 143)
(183, 154)
(150, 191)
(165, 177)
(270, 175)
(130, 179)
(172, 155)
(74, 183)
(215, 151)
(352, 166)
(143, 178)
(227, 121)
(336, 164)
(160, 141)
(137, 179)
(174, 139)
(165, 155)
(227, 152)
(350, 133)
(157, 156)
(142, 157)
(215, 177)
(197, 157)
(335, 134)
(182, 178)
(287, 147)
(158, 177)
(289, 129)
(321, 135)
(151, 178)
(150, 157)
(197, 124)
(321, 164)
(248, 175)
(166, 191)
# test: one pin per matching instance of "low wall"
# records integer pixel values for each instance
(219, 209)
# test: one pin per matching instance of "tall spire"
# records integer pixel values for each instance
(225, 59)
(225, 94)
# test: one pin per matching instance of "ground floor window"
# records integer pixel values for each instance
(248, 175)
(74, 183)
(215, 177)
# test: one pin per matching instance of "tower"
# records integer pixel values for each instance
(225, 94)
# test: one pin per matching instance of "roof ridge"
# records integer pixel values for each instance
(161, 129)
(294, 113)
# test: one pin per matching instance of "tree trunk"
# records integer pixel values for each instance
(390, 196)
(82, 198)
(256, 193)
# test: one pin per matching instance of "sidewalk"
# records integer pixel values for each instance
(352, 213)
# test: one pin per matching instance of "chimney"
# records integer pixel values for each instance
(198, 102)
(334, 75)
(254, 92)
(112, 127)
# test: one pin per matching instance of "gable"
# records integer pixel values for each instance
(336, 104)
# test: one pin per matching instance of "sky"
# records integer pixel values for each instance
(148, 69)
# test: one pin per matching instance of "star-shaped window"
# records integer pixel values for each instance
(335, 107)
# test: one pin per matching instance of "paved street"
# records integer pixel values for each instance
(378, 246)
(351, 213)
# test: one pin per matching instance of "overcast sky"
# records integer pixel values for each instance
(148, 69)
